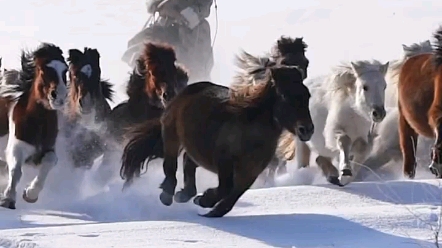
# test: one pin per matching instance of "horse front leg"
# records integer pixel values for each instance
(48, 161)
(360, 151)
(15, 159)
(408, 144)
(344, 145)
(302, 154)
(328, 170)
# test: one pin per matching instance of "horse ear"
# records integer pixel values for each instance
(93, 54)
(1, 62)
(74, 56)
(384, 68)
(355, 68)
(427, 43)
(405, 48)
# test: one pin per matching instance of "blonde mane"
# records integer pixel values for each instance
(341, 81)
(252, 81)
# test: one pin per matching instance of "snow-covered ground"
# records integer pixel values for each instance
(71, 212)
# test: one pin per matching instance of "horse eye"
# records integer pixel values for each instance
(365, 87)
(53, 94)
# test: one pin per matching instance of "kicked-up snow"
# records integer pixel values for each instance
(304, 212)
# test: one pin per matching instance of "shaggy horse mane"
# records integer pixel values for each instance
(252, 81)
(287, 45)
(17, 87)
(342, 78)
(153, 58)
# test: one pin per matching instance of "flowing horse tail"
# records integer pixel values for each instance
(145, 143)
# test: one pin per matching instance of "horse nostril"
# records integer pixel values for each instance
(302, 130)
(54, 94)
(378, 113)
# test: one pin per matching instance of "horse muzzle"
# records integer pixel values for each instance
(378, 114)
(305, 131)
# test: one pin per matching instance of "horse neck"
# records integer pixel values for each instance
(102, 108)
(263, 106)
(32, 101)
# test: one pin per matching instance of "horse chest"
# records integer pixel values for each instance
(38, 129)
(415, 106)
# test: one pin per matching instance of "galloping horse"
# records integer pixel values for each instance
(420, 110)
(344, 105)
(28, 112)
(286, 51)
(233, 132)
(87, 107)
(385, 144)
(154, 81)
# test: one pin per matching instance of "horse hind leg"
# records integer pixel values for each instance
(170, 164)
(189, 190)
(225, 184)
(48, 161)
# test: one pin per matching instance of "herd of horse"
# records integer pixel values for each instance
(362, 113)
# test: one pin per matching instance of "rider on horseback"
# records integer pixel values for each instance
(192, 36)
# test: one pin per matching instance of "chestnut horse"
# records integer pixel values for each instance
(29, 115)
(232, 132)
(420, 109)
(87, 107)
(155, 80)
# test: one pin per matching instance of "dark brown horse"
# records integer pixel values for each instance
(153, 83)
(420, 106)
(87, 107)
(232, 132)
(29, 105)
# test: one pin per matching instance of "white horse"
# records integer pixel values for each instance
(385, 147)
(344, 105)
(385, 140)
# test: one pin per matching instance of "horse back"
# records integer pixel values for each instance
(195, 116)
(416, 92)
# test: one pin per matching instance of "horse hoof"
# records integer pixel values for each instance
(334, 180)
(7, 203)
(212, 214)
(197, 200)
(181, 197)
(27, 199)
(411, 174)
(166, 198)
